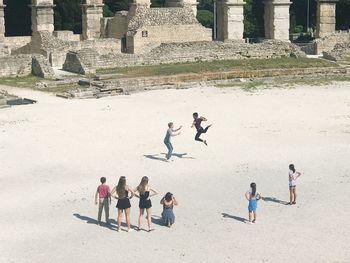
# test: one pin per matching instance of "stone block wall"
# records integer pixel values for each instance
(15, 66)
(155, 35)
(17, 42)
(328, 42)
(115, 27)
(184, 52)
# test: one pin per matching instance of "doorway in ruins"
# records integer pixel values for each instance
(68, 15)
(18, 20)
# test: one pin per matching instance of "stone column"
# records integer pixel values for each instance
(92, 12)
(42, 15)
(325, 24)
(2, 22)
(230, 17)
(276, 19)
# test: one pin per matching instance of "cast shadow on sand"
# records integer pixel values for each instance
(157, 157)
(274, 200)
(240, 219)
(157, 220)
(93, 221)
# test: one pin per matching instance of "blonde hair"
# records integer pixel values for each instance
(143, 184)
(121, 187)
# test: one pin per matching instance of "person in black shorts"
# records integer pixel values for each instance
(121, 193)
(145, 192)
(197, 123)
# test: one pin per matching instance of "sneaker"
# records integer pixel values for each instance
(253, 221)
(205, 142)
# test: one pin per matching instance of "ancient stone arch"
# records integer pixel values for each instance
(230, 17)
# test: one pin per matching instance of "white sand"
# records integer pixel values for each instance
(53, 153)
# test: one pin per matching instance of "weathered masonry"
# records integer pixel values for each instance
(141, 24)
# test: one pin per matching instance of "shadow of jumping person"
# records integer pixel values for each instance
(240, 219)
(274, 200)
(181, 155)
(154, 157)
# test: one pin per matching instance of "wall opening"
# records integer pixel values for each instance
(18, 18)
(68, 15)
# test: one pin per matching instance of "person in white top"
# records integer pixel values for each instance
(293, 176)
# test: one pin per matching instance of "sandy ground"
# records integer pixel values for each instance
(53, 153)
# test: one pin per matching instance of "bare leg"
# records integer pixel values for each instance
(254, 213)
(250, 216)
(148, 211)
(140, 217)
(119, 218)
(127, 216)
(295, 195)
(290, 195)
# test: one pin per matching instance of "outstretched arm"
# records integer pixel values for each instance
(178, 128)
(203, 118)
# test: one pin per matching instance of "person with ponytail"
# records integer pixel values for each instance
(121, 193)
(252, 196)
(293, 176)
(145, 192)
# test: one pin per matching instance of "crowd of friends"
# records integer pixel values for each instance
(123, 193)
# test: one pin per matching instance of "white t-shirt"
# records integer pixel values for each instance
(292, 178)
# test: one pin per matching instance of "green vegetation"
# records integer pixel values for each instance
(254, 85)
(31, 81)
(217, 66)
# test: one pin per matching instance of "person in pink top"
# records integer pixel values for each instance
(103, 199)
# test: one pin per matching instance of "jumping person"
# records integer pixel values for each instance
(197, 123)
(252, 196)
(168, 202)
(169, 133)
(293, 176)
(144, 191)
(103, 199)
(122, 191)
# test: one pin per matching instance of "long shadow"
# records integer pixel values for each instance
(154, 157)
(181, 155)
(90, 220)
(274, 200)
(157, 220)
(240, 219)
(123, 224)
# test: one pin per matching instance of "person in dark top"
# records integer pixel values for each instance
(145, 192)
(197, 123)
(121, 192)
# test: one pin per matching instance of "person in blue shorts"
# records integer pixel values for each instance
(252, 196)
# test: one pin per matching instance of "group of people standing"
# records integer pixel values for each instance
(253, 196)
(123, 193)
(171, 131)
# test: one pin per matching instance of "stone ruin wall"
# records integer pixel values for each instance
(180, 53)
(166, 34)
(13, 66)
(327, 43)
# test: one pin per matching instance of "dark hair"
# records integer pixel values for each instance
(121, 187)
(253, 186)
(195, 114)
(168, 196)
(291, 167)
(103, 180)
(169, 124)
